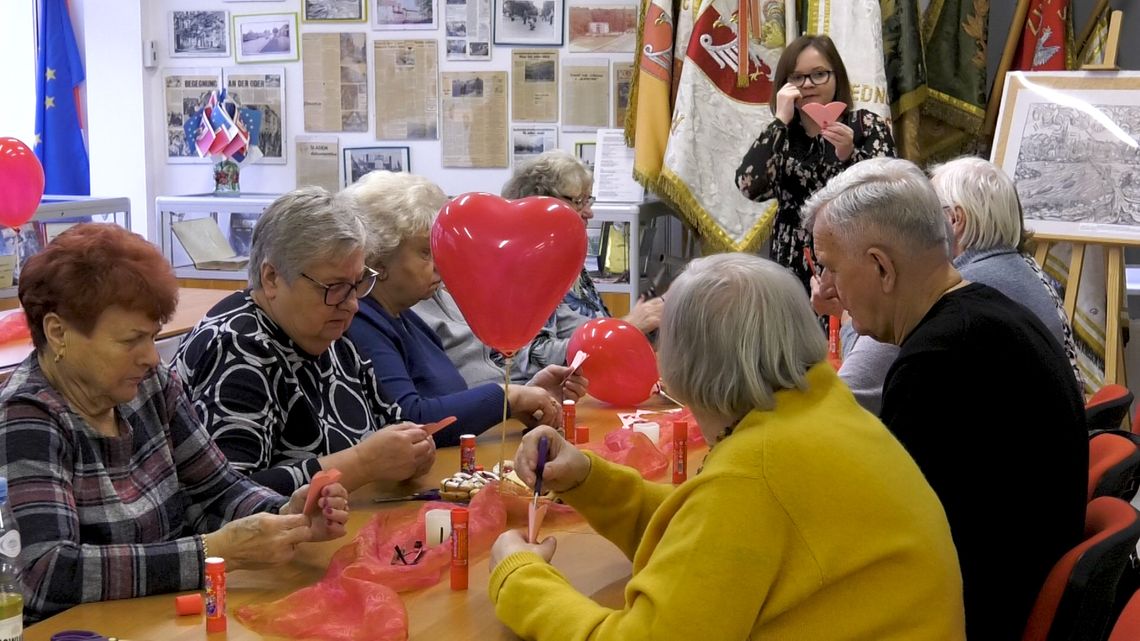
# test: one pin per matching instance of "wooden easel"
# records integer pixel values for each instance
(1115, 303)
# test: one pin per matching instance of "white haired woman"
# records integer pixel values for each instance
(280, 389)
(560, 175)
(407, 356)
(984, 212)
(771, 538)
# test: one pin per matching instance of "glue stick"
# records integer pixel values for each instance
(215, 594)
(680, 450)
(459, 548)
(568, 413)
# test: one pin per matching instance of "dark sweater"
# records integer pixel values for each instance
(415, 373)
(984, 399)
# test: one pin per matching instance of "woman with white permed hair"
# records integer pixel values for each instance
(414, 372)
(807, 519)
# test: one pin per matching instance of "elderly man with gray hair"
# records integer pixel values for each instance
(984, 211)
(280, 389)
(973, 370)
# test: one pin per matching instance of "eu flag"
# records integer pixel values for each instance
(59, 140)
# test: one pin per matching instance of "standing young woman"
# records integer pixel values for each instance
(794, 156)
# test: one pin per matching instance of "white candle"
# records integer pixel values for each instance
(438, 526)
(651, 430)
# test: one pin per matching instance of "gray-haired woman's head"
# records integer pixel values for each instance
(394, 207)
(553, 173)
(983, 200)
(304, 227)
(736, 329)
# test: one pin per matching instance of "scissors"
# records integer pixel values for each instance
(426, 495)
(543, 452)
(79, 635)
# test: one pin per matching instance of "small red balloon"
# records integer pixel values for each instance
(507, 263)
(21, 182)
(622, 368)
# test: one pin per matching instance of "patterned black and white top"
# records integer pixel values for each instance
(271, 407)
(786, 164)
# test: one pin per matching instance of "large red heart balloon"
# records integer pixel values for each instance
(507, 263)
(21, 182)
(622, 368)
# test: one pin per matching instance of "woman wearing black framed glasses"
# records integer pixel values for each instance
(795, 156)
(279, 387)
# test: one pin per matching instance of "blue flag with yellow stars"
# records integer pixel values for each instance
(59, 138)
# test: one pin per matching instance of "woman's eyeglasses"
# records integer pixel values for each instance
(818, 77)
(337, 293)
(579, 203)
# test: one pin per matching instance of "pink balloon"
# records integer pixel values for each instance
(507, 263)
(21, 182)
(622, 368)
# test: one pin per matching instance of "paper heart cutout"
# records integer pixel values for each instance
(508, 263)
(824, 115)
(534, 517)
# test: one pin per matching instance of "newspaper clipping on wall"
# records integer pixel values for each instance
(528, 141)
(335, 67)
(468, 26)
(407, 89)
(318, 162)
(475, 119)
(183, 91)
(534, 92)
(264, 91)
(623, 80)
(585, 94)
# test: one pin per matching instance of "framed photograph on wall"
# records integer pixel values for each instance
(585, 152)
(334, 10)
(609, 26)
(404, 14)
(266, 37)
(199, 34)
(529, 22)
(361, 160)
(1068, 140)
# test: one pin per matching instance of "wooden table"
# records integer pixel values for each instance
(193, 303)
(593, 565)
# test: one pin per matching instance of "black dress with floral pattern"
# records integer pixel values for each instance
(786, 164)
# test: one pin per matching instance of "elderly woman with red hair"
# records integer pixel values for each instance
(116, 486)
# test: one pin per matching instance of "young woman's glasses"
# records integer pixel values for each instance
(337, 293)
(818, 77)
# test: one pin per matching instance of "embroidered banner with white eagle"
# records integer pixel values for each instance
(715, 120)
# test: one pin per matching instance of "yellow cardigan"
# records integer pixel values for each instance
(809, 522)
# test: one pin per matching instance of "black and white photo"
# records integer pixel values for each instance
(541, 71)
(361, 160)
(199, 34)
(266, 37)
(333, 10)
(479, 49)
(456, 46)
(404, 14)
(456, 29)
(529, 22)
(528, 141)
(468, 88)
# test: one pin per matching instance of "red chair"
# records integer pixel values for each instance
(1114, 465)
(1078, 599)
(1127, 627)
(1108, 407)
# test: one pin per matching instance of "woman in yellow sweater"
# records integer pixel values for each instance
(807, 521)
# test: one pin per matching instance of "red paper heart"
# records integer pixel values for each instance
(824, 115)
(21, 182)
(508, 263)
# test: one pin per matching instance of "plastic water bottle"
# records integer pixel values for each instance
(11, 596)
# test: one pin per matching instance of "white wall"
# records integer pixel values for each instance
(18, 73)
(178, 179)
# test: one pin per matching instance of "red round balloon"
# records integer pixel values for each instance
(622, 368)
(21, 182)
(507, 263)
